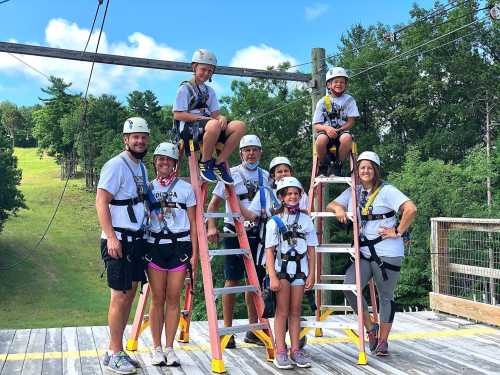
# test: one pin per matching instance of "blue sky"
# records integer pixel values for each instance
(251, 34)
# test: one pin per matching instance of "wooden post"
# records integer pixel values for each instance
(318, 77)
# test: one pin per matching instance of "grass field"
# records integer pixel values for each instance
(59, 284)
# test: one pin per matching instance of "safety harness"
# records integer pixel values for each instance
(292, 255)
(367, 215)
(165, 233)
(198, 97)
(333, 112)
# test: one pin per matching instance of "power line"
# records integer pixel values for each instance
(29, 66)
(58, 205)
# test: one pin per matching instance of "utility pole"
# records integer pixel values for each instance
(488, 145)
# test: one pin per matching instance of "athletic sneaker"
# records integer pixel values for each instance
(231, 344)
(223, 174)
(172, 359)
(335, 169)
(281, 361)
(158, 357)
(207, 170)
(323, 170)
(134, 363)
(251, 338)
(119, 364)
(373, 337)
(300, 358)
(382, 348)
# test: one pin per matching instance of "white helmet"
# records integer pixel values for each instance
(135, 125)
(204, 56)
(167, 149)
(250, 140)
(369, 155)
(277, 161)
(287, 182)
(336, 72)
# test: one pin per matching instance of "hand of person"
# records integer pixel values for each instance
(274, 283)
(387, 232)
(213, 234)
(194, 263)
(223, 122)
(114, 247)
(331, 132)
(341, 215)
(309, 281)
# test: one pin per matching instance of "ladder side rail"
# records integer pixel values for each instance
(137, 325)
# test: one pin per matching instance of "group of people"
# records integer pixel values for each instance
(149, 232)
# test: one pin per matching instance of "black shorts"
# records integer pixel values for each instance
(234, 267)
(130, 268)
(333, 142)
(195, 130)
(169, 255)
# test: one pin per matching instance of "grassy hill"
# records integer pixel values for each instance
(59, 284)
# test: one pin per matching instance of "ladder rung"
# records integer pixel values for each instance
(333, 180)
(214, 215)
(328, 214)
(335, 248)
(227, 235)
(234, 289)
(243, 328)
(351, 287)
(332, 277)
(327, 324)
(185, 312)
(228, 252)
(341, 308)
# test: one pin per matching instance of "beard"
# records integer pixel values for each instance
(136, 154)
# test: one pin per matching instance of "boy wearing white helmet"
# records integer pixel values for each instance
(197, 114)
(121, 193)
(333, 117)
(290, 243)
(249, 181)
(381, 243)
(172, 249)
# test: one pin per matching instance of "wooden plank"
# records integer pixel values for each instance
(88, 352)
(100, 335)
(6, 337)
(36, 344)
(53, 344)
(102, 58)
(17, 351)
(481, 312)
(143, 355)
(71, 353)
(474, 270)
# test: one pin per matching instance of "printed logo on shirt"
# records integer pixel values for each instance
(139, 183)
(164, 196)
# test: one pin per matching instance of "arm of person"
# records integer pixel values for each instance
(213, 206)
(330, 131)
(311, 262)
(193, 232)
(339, 210)
(103, 197)
(188, 117)
(273, 276)
(407, 212)
(247, 213)
(222, 119)
(348, 124)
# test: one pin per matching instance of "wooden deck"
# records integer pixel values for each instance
(421, 343)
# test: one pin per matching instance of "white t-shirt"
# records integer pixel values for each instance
(273, 202)
(244, 181)
(389, 198)
(345, 105)
(274, 239)
(117, 179)
(175, 219)
(184, 96)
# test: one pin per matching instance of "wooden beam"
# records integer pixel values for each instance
(481, 312)
(58, 53)
(474, 270)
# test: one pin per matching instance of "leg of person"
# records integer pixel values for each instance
(297, 354)
(175, 283)
(345, 146)
(350, 278)
(233, 274)
(387, 306)
(210, 135)
(158, 286)
(230, 138)
(281, 359)
(321, 149)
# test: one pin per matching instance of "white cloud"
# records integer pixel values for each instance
(60, 33)
(314, 11)
(260, 57)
